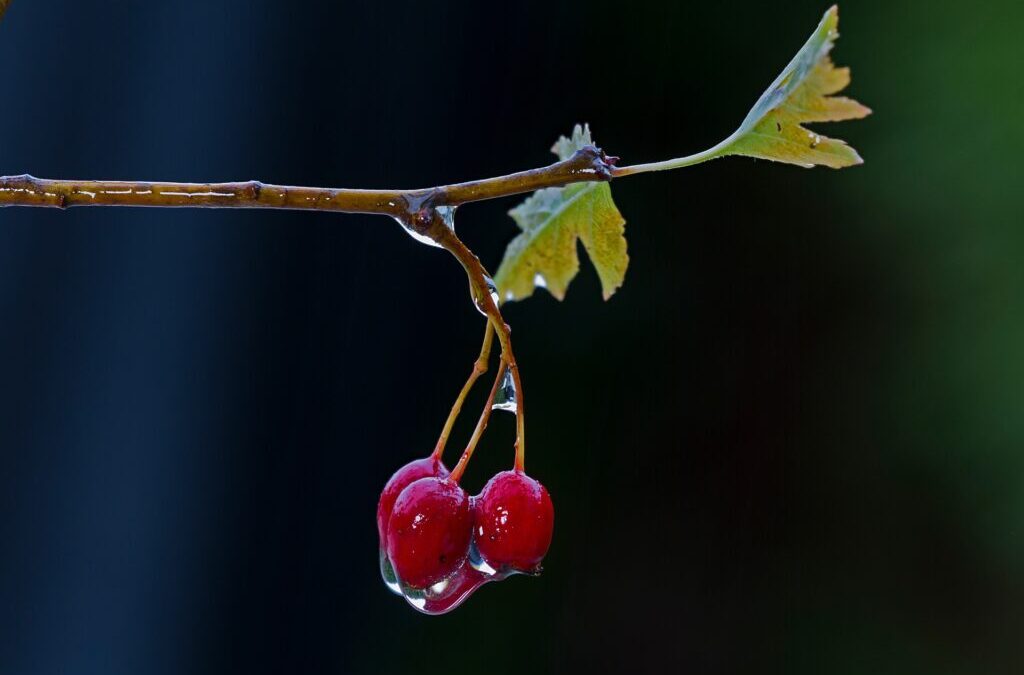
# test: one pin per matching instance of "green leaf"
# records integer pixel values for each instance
(802, 93)
(544, 254)
(773, 129)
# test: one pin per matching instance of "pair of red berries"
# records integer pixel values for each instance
(438, 544)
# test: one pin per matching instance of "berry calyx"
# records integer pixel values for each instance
(513, 522)
(413, 471)
(429, 531)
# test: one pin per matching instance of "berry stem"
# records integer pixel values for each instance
(479, 368)
(478, 279)
(481, 425)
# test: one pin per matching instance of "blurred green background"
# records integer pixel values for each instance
(792, 443)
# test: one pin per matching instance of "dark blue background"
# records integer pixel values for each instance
(791, 443)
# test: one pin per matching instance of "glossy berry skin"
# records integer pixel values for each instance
(513, 522)
(413, 471)
(429, 531)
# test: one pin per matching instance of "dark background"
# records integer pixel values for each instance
(792, 443)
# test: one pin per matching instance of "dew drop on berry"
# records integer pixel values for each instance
(387, 572)
(447, 594)
(477, 561)
(505, 398)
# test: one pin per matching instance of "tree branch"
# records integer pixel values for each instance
(587, 165)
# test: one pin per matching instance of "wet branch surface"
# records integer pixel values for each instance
(589, 164)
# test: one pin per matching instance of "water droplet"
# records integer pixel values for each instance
(447, 214)
(505, 398)
(423, 239)
(447, 594)
(477, 561)
(388, 573)
(492, 290)
(509, 296)
(539, 281)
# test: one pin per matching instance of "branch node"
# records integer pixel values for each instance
(593, 161)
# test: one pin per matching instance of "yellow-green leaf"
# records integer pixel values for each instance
(802, 93)
(552, 220)
(773, 129)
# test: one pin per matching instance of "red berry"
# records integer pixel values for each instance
(514, 521)
(413, 471)
(429, 531)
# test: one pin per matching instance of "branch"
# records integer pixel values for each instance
(587, 165)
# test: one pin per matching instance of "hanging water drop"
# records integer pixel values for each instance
(445, 213)
(421, 238)
(505, 398)
(477, 562)
(492, 290)
(387, 572)
(447, 594)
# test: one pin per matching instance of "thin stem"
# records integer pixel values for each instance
(677, 163)
(478, 280)
(481, 425)
(479, 368)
